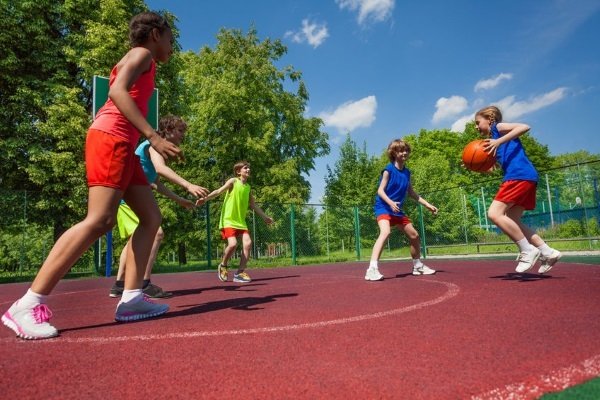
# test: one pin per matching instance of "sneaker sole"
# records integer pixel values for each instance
(220, 277)
(550, 265)
(138, 317)
(240, 281)
(374, 280)
(114, 295)
(9, 323)
(423, 273)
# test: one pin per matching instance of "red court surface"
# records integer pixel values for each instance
(475, 330)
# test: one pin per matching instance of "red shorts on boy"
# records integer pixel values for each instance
(395, 220)
(519, 193)
(110, 161)
(232, 232)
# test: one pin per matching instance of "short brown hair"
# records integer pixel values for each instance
(239, 165)
(395, 147)
(141, 26)
(169, 124)
(491, 113)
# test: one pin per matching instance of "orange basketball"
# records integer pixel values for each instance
(475, 157)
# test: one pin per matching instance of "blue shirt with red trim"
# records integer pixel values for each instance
(396, 190)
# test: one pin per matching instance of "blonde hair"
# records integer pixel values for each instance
(395, 147)
(491, 113)
(239, 165)
(169, 124)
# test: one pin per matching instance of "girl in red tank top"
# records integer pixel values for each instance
(114, 173)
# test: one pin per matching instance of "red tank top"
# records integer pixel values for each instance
(109, 119)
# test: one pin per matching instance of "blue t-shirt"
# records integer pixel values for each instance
(395, 189)
(511, 156)
(143, 152)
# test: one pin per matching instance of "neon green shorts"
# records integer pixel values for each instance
(126, 220)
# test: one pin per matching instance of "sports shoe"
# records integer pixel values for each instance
(241, 277)
(527, 259)
(423, 270)
(548, 262)
(116, 291)
(222, 272)
(141, 309)
(30, 323)
(156, 292)
(373, 274)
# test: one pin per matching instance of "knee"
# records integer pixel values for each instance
(414, 235)
(102, 224)
(160, 235)
(493, 215)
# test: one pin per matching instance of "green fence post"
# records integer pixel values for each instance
(208, 241)
(293, 234)
(423, 241)
(357, 232)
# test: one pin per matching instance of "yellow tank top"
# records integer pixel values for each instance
(235, 206)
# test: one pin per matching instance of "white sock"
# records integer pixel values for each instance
(524, 245)
(373, 264)
(417, 263)
(31, 299)
(545, 250)
(131, 296)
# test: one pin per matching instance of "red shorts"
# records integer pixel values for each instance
(394, 220)
(232, 232)
(519, 193)
(110, 161)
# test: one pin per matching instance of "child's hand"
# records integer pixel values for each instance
(433, 209)
(395, 207)
(269, 220)
(491, 145)
(187, 204)
(200, 201)
(197, 191)
(165, 148)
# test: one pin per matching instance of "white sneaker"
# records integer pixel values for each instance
(373, 274)
(30, 322)
(548, 262)
(527, 259)
(423, 270)
(141, 309)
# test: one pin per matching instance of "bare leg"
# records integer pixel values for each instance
(142, 202)
(229, 249)
(413, 239)
(246, 244)
(384, 233)
(122, 262)
(498, 214)
(101, 215)
(515, 213)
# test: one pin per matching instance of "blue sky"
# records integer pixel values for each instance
(382, 69)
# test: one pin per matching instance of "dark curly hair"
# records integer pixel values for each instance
(168, 124)
(142, 25)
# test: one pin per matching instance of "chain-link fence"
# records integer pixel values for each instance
(567, 215)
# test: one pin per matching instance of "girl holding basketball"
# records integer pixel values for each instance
(394, 185)
(113, 173)
(517, 191)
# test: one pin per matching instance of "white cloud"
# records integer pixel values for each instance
(459, 124)
(512, 109)
(492, 82)
(375, 10)
(352, 115)
(449, 107)
(311, 32)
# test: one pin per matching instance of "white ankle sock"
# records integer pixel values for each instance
(32, 298)
(524, 245)
(373, 264)
(545, 250)
(417, 263)
(131, 295)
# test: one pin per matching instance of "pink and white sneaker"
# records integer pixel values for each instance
(140, 309)
(30, 322)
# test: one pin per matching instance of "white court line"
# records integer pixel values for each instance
(554, 381)
(452, 291)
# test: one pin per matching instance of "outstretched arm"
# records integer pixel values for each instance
(259, 211)
(162, 189)
(166, 172)
(216, 193)
(420, 200)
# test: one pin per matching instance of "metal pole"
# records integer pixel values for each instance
(293, 234)
(549, 201)
(478, 213)
(423, 242)
(327, 232)
(357, 232)
(208, 238)
(464, 199)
